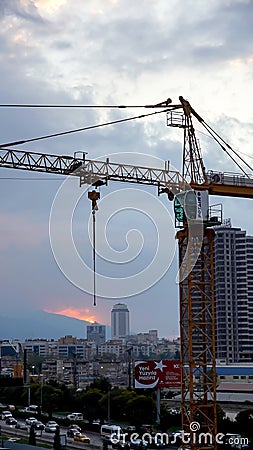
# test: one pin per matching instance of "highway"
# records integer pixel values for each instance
(48, 438)
(43, 437)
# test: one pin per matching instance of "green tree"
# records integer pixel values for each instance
(244, 422)
(90, 400)
(116, 399)
(141, 409)
(169, 419)
(100, 383)
(224, 424)
(52, 399)
(32, 436)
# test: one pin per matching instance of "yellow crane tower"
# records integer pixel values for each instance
(190, 191)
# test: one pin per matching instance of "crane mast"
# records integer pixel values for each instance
(196, 290)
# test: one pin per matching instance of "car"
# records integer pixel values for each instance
(120, 441)
(72, 431)
(236, 441)
(30, 420)
(32, 409)
(21, 426)
(52, 423)
(176, 436)
(38, 425)
(138, 444)
(6, 414)
(75, 416)
(11, 421)
(96, 422)
(121, 444)
(51, 426)
(80, 437)
(174, 411)
(74, 425)
(157, 442)
(146, 428)
(129, 428)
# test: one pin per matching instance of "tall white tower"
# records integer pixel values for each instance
(120, 321)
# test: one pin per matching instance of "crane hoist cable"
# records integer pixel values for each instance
(90, 127)
(94, 196)
(219, 140)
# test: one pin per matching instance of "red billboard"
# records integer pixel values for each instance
(157, 374)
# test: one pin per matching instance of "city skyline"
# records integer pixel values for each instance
(57, 52)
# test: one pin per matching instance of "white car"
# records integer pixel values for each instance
(6, 414)
(51, 426)
(30, 420)
(75, 416)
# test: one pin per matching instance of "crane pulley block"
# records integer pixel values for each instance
(94, 196)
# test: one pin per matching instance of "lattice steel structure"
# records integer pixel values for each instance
(197, 319)
(197, 331)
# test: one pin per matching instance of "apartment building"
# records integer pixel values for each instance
(233, 257)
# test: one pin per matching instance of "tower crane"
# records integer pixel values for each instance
(196, 283)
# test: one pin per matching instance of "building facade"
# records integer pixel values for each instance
(96, 333)
(233, 257)
(120, 322)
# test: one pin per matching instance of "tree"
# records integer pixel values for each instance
(52, 399)
(141, 409)
(169, 419)
(244, 422)
(32, 436)
(57, 439)
(90, 401)
(101, 383)
(118, 399)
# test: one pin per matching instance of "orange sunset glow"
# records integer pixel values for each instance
(81, 314)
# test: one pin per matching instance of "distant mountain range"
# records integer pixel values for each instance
(40, 324)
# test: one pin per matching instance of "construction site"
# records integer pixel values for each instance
(191, 191)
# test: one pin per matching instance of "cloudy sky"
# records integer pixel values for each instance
(113, 52)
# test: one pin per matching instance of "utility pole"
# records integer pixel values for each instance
(129, 352)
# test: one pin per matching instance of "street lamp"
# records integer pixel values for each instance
(41, 391)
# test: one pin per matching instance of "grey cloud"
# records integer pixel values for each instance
(26, 11)
(101, 50)
(146, 43)
(228, 32)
